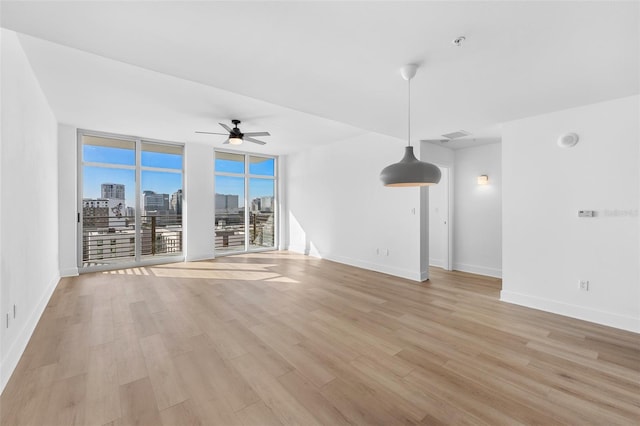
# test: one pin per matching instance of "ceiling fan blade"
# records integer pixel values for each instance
(227, 128)
(226, 142)
(212, 133)
(257, 134)
(250, 139)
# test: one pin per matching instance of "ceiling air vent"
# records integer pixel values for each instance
(455, 135)
(435, 140)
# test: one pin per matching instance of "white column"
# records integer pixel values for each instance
(198, 202)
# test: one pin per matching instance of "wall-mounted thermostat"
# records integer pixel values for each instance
(586, 213)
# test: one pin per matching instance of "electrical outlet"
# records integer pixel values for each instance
(584, 285)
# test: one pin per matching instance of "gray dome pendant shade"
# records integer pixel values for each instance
(410, 171)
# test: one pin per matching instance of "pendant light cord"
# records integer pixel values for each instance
(409, 112)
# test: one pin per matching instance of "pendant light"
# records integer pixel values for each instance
(410, 171)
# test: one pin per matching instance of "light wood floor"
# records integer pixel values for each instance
(278, 338)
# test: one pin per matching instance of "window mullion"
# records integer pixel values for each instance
(138, 201)
(108, 165)
(160, 169)
(247, 225)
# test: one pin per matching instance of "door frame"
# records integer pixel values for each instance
(449, 196)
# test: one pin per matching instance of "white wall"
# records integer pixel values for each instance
(439, 221)
(547, 248)
(436, 154)
(4, 292)
(338, 208)
(444, 158)
(475, 224)
(477, 241)
(29, 192)
(198, 202)
(68, 199)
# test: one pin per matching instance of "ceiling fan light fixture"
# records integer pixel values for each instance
(410, 171)
(236, 137)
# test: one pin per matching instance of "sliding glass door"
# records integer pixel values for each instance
(131, 208)
(108, 197)
(160, 199)
(245, 202)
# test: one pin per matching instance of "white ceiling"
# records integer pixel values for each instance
(300, 69)
(91, 92)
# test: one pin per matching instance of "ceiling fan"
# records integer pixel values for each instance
(236, 137)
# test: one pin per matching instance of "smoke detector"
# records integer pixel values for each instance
(458, 41)
(568, 140)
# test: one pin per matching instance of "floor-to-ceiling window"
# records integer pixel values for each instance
(262, 190)
(131, 200)
(245, 202)
(230, 202)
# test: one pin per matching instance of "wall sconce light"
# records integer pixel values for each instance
(483, 180)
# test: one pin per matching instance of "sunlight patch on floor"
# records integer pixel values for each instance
(128, 271)
(217, 265)
(213, 274)
(282, 279)
(293, 256)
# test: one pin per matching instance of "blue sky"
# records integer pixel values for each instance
(258, 168)
(166, 182)
(235, 185)
(159, 182)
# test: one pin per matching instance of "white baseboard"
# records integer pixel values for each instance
(480, 270)
(303, 250)
(385, 269)
(13, 354)
(438, 263)
(296, 249)
(197, 257)
(573, 311)
(69, 272)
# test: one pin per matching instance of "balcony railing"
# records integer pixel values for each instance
(230, 231)
(113, 239)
